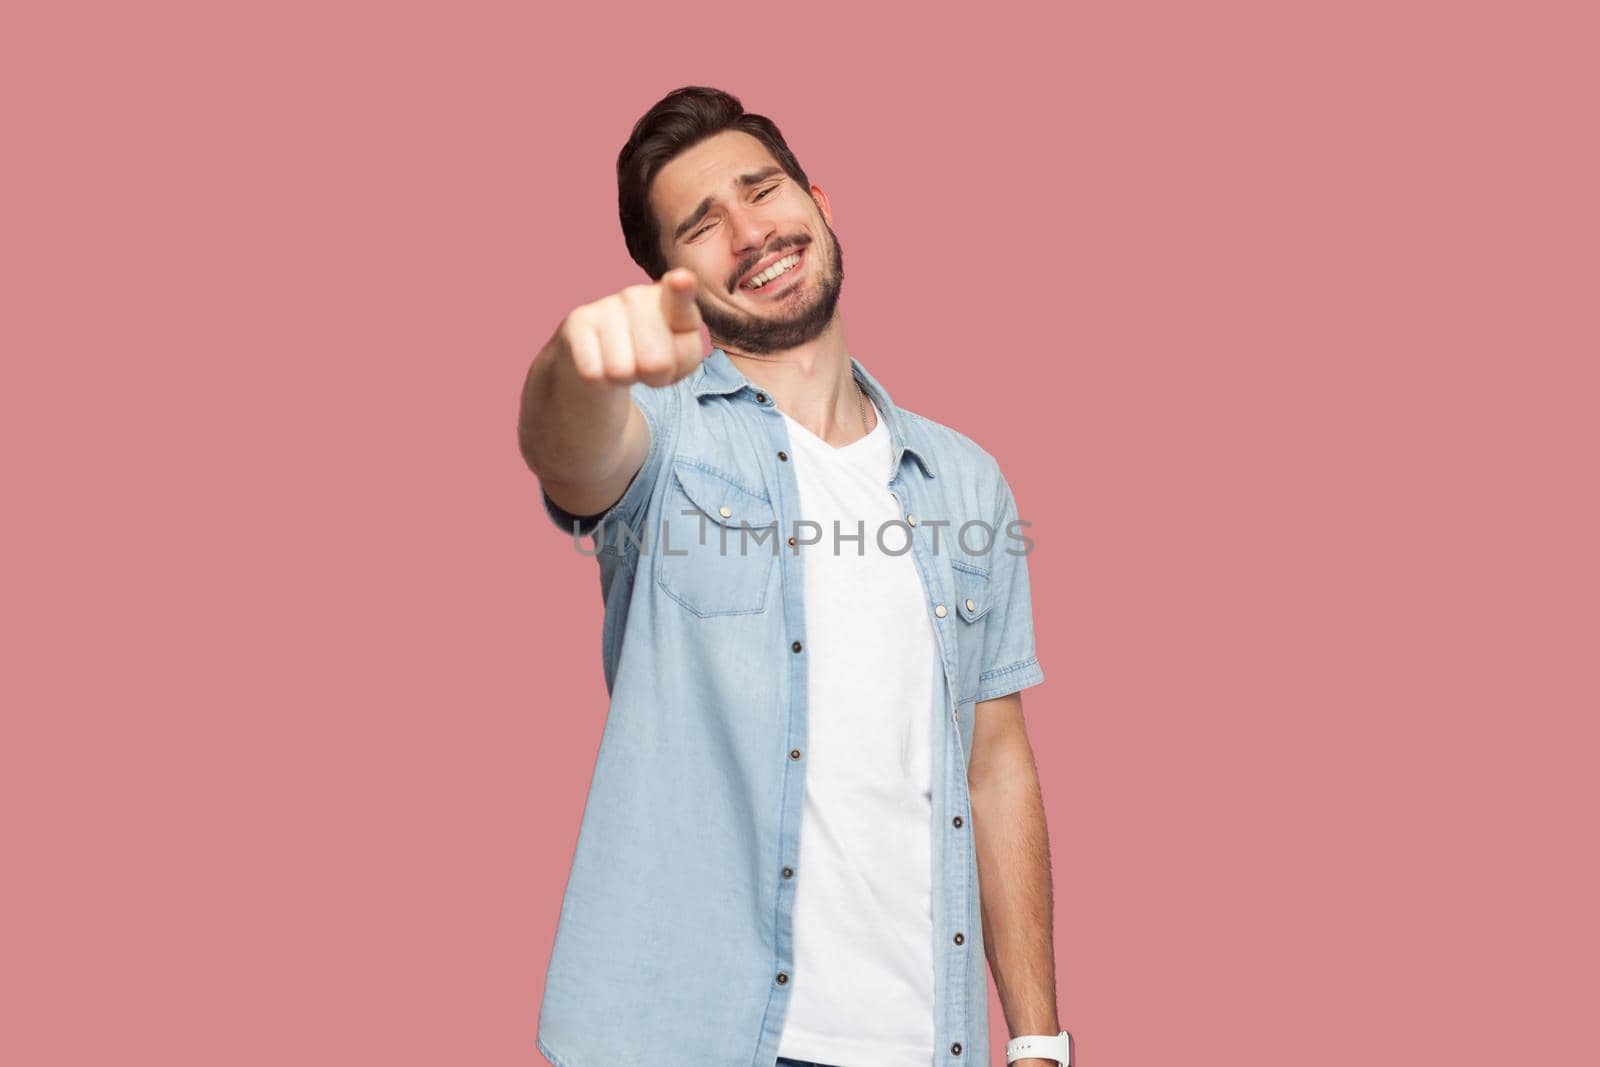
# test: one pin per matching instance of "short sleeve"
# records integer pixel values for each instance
(1009, 659)
(659, 408)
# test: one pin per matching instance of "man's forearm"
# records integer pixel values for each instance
(1008, 825)
(568, 429)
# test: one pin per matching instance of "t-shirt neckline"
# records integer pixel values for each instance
(839, 449)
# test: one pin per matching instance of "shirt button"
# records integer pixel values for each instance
(788, 872)
(761, 398)
(794, 753)
(961, 939)
(939, 611)
(724, 511)
(795, 646)
(957, 820)
(911, 520)
(970, 605)
(791, 542)
(783, 455)
(955, 1049)
(783, 978)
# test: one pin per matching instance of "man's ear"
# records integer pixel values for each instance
(821, 199)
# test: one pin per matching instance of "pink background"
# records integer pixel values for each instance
(1295, 316)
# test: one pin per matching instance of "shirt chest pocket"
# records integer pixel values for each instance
(971, 587)
(719, 542)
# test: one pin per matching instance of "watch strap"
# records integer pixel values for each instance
(1057, 1047)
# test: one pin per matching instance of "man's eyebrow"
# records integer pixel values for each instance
(746, 180)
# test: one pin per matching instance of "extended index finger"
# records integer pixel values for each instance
(678, 287)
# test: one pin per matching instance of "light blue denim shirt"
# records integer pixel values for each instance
(675, 945)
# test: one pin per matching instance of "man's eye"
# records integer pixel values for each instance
(759, 196)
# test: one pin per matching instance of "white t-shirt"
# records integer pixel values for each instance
(862, 988)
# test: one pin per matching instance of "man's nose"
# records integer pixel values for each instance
(751, 231)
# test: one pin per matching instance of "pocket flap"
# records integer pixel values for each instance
(722, 500)
(972, 594)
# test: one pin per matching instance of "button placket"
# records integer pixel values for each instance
(929, 571)
(927, 566)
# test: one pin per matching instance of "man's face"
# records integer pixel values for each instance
(727, 211)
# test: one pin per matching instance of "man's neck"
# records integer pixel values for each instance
(812, 384)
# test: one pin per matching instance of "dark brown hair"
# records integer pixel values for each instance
(677, 122)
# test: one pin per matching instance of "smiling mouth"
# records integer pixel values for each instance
(787, 266)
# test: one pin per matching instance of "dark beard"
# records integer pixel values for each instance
(749, 333)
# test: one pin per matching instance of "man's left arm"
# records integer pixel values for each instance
(1013, 847)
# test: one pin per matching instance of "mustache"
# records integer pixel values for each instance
(748, 265)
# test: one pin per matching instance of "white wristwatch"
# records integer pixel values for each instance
(1058, 1048)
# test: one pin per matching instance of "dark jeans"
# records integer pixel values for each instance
(784, 1061)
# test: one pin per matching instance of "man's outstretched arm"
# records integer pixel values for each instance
(577, 429)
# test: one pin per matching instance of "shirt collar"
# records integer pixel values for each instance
(718, 376)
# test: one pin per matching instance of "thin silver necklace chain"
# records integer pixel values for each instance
(861, 405)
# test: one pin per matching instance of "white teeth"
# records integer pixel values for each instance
(773, 271)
